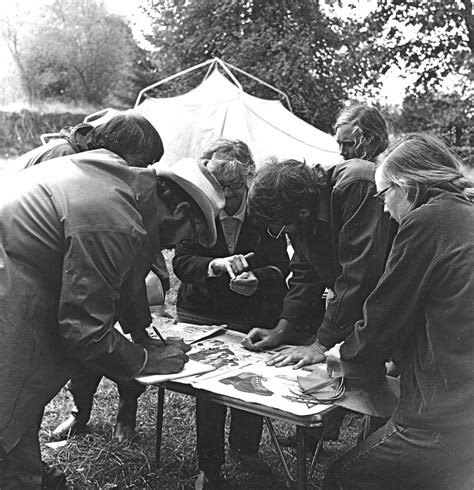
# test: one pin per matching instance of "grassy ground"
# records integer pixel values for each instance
(96, 461)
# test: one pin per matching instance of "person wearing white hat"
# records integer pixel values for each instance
(77, 238)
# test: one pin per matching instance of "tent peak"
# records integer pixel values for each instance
(213, 64)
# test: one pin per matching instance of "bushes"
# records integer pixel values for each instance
(21, 131)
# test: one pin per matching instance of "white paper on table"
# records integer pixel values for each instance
(191, 368)
(266, 385)
(189, 332)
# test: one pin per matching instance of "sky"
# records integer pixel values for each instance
(393, 85)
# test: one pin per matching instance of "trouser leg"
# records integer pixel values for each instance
(82, 387)
(210, 422)
(396, 457)
(129, 392)
(22, 468)
(245, 431)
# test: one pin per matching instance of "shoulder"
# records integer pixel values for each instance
(350, 171)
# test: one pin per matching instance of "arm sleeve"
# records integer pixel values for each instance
(94, 268)
(361, 247)
(191, 262)
(391, 310)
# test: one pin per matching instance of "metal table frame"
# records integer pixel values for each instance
(269, 413)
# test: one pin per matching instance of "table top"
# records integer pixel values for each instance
(241, 379)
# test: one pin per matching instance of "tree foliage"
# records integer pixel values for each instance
(72, 50)
(290, 44)
(429, 39)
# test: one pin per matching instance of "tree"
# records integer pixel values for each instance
(290, 44)
(73, 49)
(429, 39)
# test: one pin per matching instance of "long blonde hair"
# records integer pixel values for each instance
(420, 160)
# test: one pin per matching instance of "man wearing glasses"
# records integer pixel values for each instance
(338, 230)
(240, 281)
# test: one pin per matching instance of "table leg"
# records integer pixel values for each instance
(159, 425)
(300, 459)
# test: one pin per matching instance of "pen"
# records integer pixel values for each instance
(159, 334)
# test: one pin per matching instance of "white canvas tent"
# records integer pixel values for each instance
(219, 107)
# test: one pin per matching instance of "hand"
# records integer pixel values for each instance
(334, 351)
(245, 284)
(166, 359)
(262, 339)
(300, 355)
(233, 265)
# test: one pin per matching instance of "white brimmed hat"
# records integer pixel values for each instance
(195, 179)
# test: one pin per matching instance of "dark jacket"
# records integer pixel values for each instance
(71, 140)
(77, 237)
(344, 250)
(78, 139)
(423, 307)
(211, 296)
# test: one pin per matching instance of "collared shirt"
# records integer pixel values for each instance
(231, 224)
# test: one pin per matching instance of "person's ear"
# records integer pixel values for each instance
(181, 211)
(304, 213)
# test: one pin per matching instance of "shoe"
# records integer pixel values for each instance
(123, 432)
(53, 479)
(70, 427)
(251, 463)
(209, 481)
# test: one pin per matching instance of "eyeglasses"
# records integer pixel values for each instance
(277, 235)
(379, 195)
(234, 186)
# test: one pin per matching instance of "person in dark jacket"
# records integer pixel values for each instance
(77, 238)
(121, 129)
(421, 314)
(222, 284)
(341, 239)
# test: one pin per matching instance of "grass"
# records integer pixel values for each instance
(95, 460)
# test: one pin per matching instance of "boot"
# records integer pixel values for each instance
(124, 429)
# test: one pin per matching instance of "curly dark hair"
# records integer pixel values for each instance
(280, 190)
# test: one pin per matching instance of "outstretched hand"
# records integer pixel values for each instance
(262, 339)
(300, 356)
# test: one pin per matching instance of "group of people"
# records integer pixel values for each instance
(381, 270)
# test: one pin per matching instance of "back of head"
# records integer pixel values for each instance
(231, 159)
(280, 190)
(369, 129)
(420, 160)
(132, 137)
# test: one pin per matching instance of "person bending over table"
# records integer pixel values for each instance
(341, 238)
(220, 285)
(77, 238)
(120, 135)
(422, 315)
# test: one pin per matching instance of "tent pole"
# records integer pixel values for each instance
(172, 77)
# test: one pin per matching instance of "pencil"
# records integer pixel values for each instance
(159, 334)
